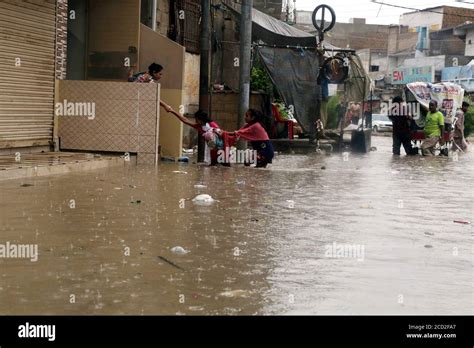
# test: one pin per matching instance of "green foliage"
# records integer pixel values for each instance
(260, 81)
(332, 112)
(469, 122)
(469, 119)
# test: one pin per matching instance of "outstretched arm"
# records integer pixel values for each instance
(165, 106)
(182, 118)
(220, 132)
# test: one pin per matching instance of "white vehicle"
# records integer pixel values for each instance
(381, 123)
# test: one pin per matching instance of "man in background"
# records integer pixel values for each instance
(459, 141)
(401, 127)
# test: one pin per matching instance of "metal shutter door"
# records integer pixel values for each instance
(27, 32)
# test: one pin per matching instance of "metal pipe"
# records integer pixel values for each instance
(204, 68)
(245, 56)
(153, 14)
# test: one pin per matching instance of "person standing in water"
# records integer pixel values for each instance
(401, 127)
(459, 141)
(254, 132)
(206, 127)
(434, 130)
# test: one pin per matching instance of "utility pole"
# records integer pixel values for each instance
(204, 73)
(245, 57)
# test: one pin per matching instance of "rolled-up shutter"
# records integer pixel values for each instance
(27, 58)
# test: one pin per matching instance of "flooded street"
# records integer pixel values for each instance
(105, 237)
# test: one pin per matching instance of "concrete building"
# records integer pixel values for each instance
(436, 18)
(92, 44)
(33, 44)
(465, 32)
(427, 38)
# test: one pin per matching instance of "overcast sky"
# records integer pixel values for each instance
(346, 9)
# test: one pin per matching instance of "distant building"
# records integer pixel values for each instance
(465, 32)
(356, 34)
(427, 38)
(436, 18)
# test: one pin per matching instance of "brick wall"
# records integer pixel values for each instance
(359, 36)
(454, 16)
(400, 39)
(225, 108)
(61, 39)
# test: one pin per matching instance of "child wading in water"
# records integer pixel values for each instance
(254, 132)
(208, 129)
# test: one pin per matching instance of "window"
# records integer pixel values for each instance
(185, 20)
(146, 12)
(374, 68)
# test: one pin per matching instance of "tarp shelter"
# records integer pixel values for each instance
(294, 71)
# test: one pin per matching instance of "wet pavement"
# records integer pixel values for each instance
(269, 244)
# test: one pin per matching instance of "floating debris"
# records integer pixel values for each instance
(179, 250)
(235, 293)
(203, 200)
(26, 185)
(199, 186)
(170, 263)
(136, 202)
(179, 172)
(462, 222)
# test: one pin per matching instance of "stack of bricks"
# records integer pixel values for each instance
(61, 39)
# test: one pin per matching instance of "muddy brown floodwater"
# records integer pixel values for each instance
(262, 248)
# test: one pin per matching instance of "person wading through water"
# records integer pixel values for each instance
(401, 120)
(434, 130)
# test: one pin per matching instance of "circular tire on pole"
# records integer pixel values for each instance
(323, 9)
